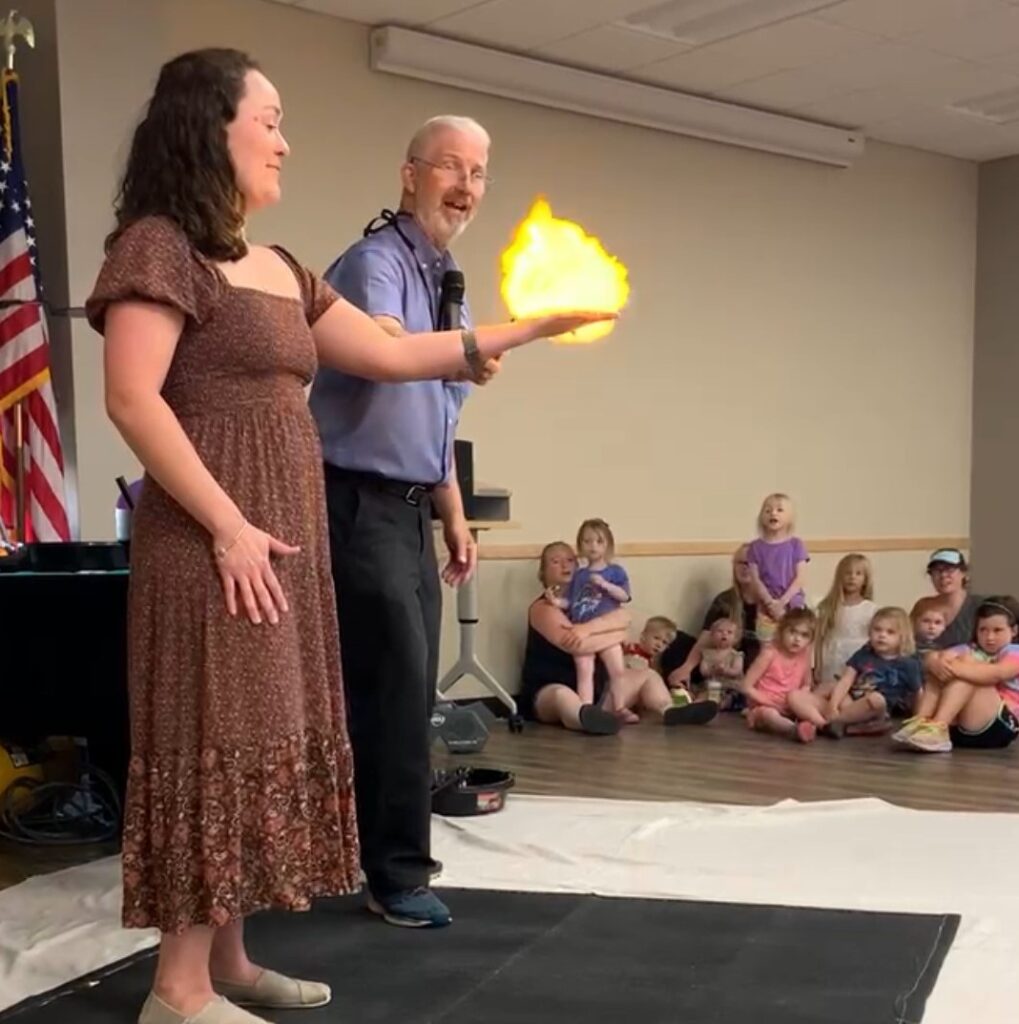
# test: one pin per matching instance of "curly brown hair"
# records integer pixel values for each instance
(178, 166)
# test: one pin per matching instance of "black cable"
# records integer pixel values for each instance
(61, 813)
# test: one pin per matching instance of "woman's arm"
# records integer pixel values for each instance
(348, 339)
(681, 676)
(557, 629)
(140, 341)
(760, 590)
(611, 622)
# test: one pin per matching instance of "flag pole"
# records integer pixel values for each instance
(19, 479)
(14, 26)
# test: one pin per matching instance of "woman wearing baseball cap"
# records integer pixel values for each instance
(949, 574)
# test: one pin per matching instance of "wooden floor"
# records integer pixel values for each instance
(724, 763)
(719, 763)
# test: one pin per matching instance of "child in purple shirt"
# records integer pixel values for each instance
(777, 559)
(597, 588)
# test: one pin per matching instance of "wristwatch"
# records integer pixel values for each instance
(472, 354)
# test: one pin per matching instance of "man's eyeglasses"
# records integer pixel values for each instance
(454, 167)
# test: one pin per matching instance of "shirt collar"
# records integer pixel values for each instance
(425, 249)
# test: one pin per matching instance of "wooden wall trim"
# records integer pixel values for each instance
(708, 548)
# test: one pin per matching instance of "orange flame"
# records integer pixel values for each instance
(553, 264)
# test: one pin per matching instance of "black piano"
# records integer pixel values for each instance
(63, 616)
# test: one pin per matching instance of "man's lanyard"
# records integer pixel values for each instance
(391, 219)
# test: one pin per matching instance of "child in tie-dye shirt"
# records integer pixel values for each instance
(971, 693)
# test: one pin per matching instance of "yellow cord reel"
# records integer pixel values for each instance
(20, 772)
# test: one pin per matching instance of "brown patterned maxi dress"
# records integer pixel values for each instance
(240, 791)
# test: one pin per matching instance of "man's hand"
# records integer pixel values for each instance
(488, 371)
(463, 554)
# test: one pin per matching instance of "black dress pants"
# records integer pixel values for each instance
(390, 605)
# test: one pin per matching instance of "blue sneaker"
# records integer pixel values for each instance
(411, 908)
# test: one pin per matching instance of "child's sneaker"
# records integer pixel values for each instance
(909, 726)
(681, 697)
(930, 738)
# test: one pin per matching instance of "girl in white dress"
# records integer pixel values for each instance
(843, 619)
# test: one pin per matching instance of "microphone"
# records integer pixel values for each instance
(451, 301)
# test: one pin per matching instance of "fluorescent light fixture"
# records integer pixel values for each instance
(697, 22)
(402, 51)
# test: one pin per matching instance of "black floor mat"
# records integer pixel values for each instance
(537, 957)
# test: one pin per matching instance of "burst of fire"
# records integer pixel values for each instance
(553, 264)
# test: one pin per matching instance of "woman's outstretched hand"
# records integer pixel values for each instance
(554, 324)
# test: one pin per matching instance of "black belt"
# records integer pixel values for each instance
(412, 494)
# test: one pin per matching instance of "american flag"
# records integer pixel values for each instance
(25, 351)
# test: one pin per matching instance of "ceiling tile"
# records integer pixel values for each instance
(895, 18)
(756, 54)
(524, 24)
(945, 132)
(1008, 62)
(986, 34)
(885, 63)
(610, 48)
(381, 12)
(949, 85)
(784, 90)
(862, 108)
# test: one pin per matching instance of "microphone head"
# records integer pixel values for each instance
(453, 286)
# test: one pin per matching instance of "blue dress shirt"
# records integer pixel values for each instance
(400, 431)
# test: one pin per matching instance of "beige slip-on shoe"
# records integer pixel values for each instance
(277, 992)
(217, 1011)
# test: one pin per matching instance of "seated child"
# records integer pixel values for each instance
(972, 700)
(880, 680)
(777, 685)
(928, 623)
(597, 587)
(721, 664)
(657, 634)
(655, 637)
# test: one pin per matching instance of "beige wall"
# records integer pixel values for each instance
(792, 326)
(995, 371)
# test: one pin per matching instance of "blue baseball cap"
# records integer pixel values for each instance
(947, 556)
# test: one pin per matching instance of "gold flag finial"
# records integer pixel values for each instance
(13, 26)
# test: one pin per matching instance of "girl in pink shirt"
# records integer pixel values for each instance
(778, 683)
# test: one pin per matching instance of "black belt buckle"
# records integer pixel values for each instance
(415, 494)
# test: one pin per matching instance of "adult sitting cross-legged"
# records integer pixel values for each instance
(549, 685)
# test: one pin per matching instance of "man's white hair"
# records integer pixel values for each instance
(444, 122)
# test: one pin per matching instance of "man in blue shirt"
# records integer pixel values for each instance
(388, 452)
